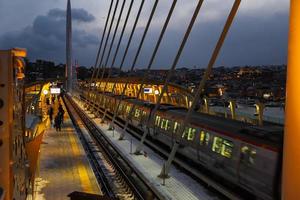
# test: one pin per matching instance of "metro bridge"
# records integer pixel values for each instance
(133, 138)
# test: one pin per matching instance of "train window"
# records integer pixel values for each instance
(191, 135)
(165, 124)
(217, 144)
(137, 113)
(128, 109)
(144, 113)
(227, 148)
(157, 120)
(168, 125)
(248, 155)
(204, 138)
(222, 146)
(185, 132)
(176, 127)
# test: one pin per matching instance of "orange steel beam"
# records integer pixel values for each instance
(291, 149)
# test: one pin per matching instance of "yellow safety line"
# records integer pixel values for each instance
(83, 174)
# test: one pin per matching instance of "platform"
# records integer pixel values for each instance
(178, 186)
(63, 165)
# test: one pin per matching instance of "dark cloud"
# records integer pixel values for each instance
(46, 37)
(79, 15)
(256, 38)
(252, 40)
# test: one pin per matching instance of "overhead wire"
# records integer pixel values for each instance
(99, 49)
(200, 88)
(127, 47)
(136, 57)
(145, 77)
(110, 48)
(107, 39)
(170, 72)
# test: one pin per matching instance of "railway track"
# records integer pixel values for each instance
(116, 178)
(215, 184)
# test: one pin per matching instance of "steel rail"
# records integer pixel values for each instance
(101, 141)
(100, 174)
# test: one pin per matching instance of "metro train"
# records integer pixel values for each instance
(241, 154)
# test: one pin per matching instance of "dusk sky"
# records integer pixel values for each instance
(258, 35)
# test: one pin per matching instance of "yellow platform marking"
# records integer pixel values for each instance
(82, 171)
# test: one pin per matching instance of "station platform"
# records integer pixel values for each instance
(63, 166)
(178, 186)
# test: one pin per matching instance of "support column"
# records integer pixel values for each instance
(260, 112)
(232, 106)
(206, 106)
(291, 150)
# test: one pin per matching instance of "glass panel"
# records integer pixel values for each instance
(202, 137)
(217, 145)
(252, 156)
(157, 120)
(248, 155)
(223, 147)
(185, 133)
(192, 132)
(227, 148)
(127, 109)
(207, 138)
(168, 126)
(162, 126)
(165, 124)
(176, 127)
(137, 113)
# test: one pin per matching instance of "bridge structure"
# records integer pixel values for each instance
(143, 105)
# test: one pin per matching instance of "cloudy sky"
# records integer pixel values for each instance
(258, 35)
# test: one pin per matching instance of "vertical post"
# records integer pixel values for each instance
(206, 105)
(260, 112)
(232, 105)
(291, 149)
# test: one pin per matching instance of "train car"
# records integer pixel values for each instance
(239, 153)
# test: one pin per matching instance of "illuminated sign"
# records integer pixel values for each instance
(55, 90)
(147, 90)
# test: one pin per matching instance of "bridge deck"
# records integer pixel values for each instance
(178, 186)
(64, 167)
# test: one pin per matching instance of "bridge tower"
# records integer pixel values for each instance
(68, 73)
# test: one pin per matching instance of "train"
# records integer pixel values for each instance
(244, 155)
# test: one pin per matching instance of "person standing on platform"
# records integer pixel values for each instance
(61, 113)
(57, 123)
(53, 99)
(50, 113)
